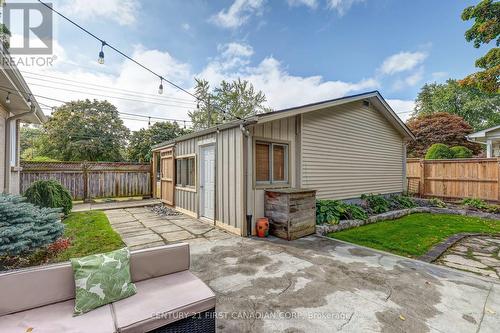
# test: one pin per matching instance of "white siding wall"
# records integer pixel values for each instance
(350, 150)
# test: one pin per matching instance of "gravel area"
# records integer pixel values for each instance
(163, 210)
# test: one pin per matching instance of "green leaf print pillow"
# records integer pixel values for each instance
(101, 279)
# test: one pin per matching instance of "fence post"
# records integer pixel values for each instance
(421, 187)
(498, 179)
(86, 192)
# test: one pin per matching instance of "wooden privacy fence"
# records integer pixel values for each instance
(455, 179)
(88, 180)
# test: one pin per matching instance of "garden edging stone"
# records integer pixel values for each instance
(325, 229)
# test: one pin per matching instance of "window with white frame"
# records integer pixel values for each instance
(271, 163)
(185, 172)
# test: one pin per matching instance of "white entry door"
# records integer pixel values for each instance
(207, 181)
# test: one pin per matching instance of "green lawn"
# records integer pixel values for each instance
(414, 235)
(89, 232)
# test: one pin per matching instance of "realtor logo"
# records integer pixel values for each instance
(30, 26)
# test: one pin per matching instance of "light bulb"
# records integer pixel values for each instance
(101, 58)
(160, 88)
(7, 99)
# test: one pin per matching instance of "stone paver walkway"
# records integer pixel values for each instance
(477, 254)
(83, 207)
(142, 228)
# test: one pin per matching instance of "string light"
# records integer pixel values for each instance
(160, 88)
(100, 60)
(149, 121)
(126, 56)
(7, 99)
(29, 101)
(184, 124)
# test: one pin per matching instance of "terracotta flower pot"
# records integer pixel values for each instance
(262, 227)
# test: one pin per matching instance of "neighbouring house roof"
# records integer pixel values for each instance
(374, 97)
(12, 80)
(482, 136)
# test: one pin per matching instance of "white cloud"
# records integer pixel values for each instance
(281, 88)
(121, 11)
(238, 13)
(231, 50)
(409, 81)
(403, 61)
(403, 108)
(186, 26)
(309, 3)
(342, 6)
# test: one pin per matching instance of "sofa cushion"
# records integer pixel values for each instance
(21, 290)
(162, 300)
(158, 261)
(29, 288)
(58, 317)
(101, 279)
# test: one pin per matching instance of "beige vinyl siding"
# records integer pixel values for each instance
(282, 130)
(349, 150)
(230, 183)
(184, 199)
(3, 115)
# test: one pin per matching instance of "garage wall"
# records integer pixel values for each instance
(230, 212)
(187, 199)
(349, 150)
(281, 130)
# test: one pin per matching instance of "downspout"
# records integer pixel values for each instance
(8, 145)
(248, 216)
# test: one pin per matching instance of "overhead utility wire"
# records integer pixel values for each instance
(55, 79)
(50, 107)
(106, 44)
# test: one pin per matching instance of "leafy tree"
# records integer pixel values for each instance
(141, 141)
(30, 138)
(439, 128)
(480, 109)
(85, 130)
(237, 98)
(486, 28)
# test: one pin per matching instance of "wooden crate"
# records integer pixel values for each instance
(291, 212)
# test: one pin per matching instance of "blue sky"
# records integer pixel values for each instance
(296, 51)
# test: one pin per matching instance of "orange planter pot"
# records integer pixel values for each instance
(262, 227)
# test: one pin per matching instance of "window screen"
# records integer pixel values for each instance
(262, 160)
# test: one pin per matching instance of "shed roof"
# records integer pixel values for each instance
(492, 133)
(374, 97)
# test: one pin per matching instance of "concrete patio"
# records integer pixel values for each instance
(317, 284)
(323, 285)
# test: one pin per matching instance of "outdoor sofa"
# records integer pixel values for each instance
(169, 298)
